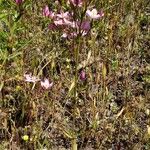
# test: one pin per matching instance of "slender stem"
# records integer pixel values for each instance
(76, 69)
(76, 50)
(74, 144)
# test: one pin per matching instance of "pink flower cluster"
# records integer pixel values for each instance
(44, 83)
(71, 25)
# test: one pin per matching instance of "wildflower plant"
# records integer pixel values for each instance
(74, 21)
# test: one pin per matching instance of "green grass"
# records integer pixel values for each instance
(110, 109)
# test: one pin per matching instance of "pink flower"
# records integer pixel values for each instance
(86, 26)
(18, 2)
(63, 19)
(47, 12)
(72, 24)
(59, 22)
(63, 15)
(30, 78)
(94, 14)
(46, 84)
(84, 29)
(77, 2)
(82, 75)
(64, 22)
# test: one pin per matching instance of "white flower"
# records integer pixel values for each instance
(64, 35)
(93, 14)
(30, 78)
(46, 84)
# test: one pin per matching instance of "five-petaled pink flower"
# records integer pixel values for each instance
(93, 14)
(62, 19)
(47, 12)
(46, 84)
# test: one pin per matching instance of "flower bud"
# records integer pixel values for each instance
(82, 75)
(18, 2)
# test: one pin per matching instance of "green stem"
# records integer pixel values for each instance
(74, 144)
(76, 68)
(76, 50)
